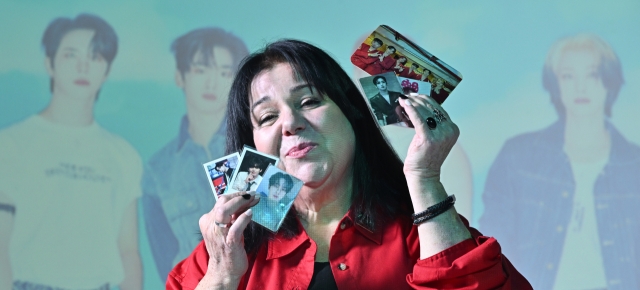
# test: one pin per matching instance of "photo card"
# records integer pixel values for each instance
(383, 92)
(220, 171)
(277, 191)
(386, 50)
(250, 171)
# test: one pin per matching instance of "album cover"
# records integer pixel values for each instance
(386, 50)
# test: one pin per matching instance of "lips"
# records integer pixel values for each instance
(210, 97)
(81, 82)
(301, 150)
(581, 101)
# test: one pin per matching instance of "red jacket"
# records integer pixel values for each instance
(380, 67)
(361, 58)
(364, 259)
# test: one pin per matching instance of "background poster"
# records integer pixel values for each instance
(499, 47)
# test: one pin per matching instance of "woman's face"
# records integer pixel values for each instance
(308, 131)
(278, 190)
(581, 89)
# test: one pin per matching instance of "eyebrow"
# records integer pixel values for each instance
(293, 90)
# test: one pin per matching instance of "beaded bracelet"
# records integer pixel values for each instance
(434, 210)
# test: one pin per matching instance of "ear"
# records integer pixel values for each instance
(179, 79)
(48, 66)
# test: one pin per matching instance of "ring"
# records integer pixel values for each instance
(431, 123)
(226, 226)
(439, 116)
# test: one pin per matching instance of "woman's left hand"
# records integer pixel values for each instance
(435, 136)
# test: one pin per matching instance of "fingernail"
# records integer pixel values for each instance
(257, 196)
(246, 196)
(404, 97)
(407, 102)
(249, 212)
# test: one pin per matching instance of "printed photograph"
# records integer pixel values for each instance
(251, 170)
(386, 50)
(277, 191)
(382, 92)
(220, 172)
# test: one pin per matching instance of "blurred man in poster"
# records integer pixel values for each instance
(68, 187)
(176, 193)
(563, 200)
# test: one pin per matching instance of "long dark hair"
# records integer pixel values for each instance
(379, 185)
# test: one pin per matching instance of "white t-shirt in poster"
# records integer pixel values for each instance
(70, 187)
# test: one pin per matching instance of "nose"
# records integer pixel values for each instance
(83, 64)
(292, 121)
(581, 84)
(212, 80)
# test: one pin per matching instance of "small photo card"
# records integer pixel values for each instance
(386, 50)
(383, 92)
(277, 191)
(220, 172)
(249, 173)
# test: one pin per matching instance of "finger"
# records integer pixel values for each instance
(236, 230)
(414, 115)
(433, 105)
(233, 203)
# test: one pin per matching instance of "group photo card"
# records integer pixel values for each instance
(250, 171)
(220, 171)
(386, 50)
(277, 191)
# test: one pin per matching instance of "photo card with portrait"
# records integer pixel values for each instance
(383, 93)
(250, 170)
(386, 50)
(220, 171)
(277, 191)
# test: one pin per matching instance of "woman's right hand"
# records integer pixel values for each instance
(225, 244)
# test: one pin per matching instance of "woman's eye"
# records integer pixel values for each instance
(310, 102)
(266, 119)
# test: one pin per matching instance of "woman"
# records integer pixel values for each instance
(350, 225)
(572, 188)
(276, 200)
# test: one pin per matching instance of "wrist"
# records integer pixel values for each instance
(425, 191)
(214, 280)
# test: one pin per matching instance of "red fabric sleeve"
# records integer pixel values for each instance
(388, 63)
(476, 263)
(362, 51)
(187, 273)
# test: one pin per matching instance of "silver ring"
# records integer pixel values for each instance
(439, 115)
(222, 225)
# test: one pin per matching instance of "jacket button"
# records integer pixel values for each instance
(342, 266)
(565, 194)
(343, 225)
(559, 229)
